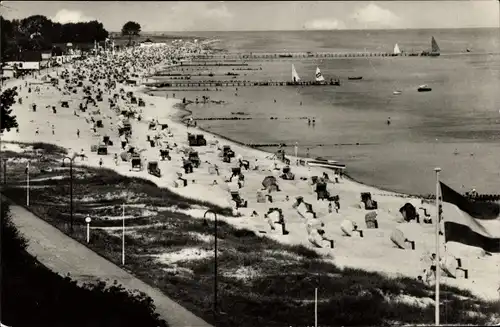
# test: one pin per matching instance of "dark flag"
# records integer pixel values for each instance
(474, 223)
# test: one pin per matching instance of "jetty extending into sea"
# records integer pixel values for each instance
(235, 83)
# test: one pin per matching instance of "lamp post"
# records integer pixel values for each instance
(4, 171)
(88, 220)
(123, 234)
(70, 189)
(28, 184)
(205, 222)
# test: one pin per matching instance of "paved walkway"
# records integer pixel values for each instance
(64, 255)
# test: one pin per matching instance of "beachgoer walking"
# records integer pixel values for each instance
(100, 162)
(37, 131)
(53, 132)
(115, 158)
(337, 205)
(330, 209)
(308, 121)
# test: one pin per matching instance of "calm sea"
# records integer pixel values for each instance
(455, 127)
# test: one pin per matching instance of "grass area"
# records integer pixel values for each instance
(32, 295)
(261, 282)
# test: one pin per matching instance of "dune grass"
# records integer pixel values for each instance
(260, 282)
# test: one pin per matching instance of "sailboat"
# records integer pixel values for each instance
(397, 51)
(295, 76)
(319, 77)
(435, 51)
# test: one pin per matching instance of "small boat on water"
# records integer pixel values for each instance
(354, 78)
(397, 92)
(424, 88)
(435, 51)
(319, 77)
(321, 162)
(285, 56)
(295, 76)
(397, 51)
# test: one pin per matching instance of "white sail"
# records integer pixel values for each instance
(397, 51)
(295, 76)
(319, 76)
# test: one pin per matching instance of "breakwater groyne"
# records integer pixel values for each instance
(235, 83)
(296, 55)
(212, 64)
(273, 145)
(304, 55)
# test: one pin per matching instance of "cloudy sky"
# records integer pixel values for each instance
(266, 15)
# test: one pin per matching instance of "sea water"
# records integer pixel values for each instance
(455, 127)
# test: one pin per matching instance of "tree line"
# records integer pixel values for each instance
(39, 33)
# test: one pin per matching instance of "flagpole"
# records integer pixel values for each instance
(316, 307)
(28, 184)
(438, 268)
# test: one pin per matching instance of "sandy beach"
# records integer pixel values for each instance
(373, 252)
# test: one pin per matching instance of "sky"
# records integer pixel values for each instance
(164, 16)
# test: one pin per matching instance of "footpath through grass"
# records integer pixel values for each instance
(32, 295)
(261, 282)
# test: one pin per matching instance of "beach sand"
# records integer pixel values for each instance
(373, 252)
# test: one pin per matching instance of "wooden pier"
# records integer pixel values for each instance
(216, 64)
(338, 55)
(234, 83)
(296, 55)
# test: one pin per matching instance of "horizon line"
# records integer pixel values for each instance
(328, 30)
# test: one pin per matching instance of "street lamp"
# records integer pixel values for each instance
(27, 184)
(123, 234)
(4, 170)
(88, 220)
(205, 223)
(71, 189)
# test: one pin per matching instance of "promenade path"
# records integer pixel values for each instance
(64, 255)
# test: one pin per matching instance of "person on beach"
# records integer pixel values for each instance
(82, 154)
(37, 131)
(100, 162)
(337, 205)
(53, 132)
(330, 208)
(115, 158)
